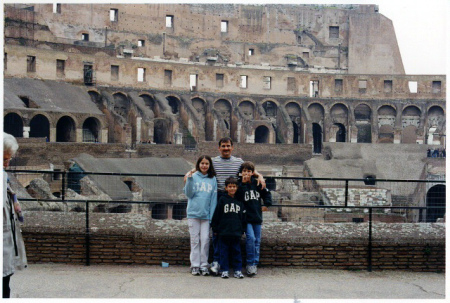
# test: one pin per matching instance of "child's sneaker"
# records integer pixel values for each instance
(215, 268)
(251, 270)
(204, 271)
(225, 275)
(238, 274)
(195, 271)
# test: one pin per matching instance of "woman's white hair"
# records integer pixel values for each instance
(10, 144)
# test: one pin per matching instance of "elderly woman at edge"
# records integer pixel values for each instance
(14, 256)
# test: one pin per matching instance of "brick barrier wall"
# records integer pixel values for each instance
(137, 239)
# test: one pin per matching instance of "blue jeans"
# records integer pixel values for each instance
(230, 245)
(253, 243)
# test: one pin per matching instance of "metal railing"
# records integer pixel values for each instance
(332, 199)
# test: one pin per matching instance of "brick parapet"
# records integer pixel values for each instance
(137, 239)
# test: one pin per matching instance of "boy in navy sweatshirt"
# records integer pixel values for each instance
(229, 224)
(251, 194)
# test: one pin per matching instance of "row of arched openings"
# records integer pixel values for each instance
(40, 128)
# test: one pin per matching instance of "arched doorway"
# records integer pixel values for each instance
(341, 134)
(261, 134)
(223, 108)
(91, 130)
(317, 138)
(65, 130)
(13, 125)
(435, 198)
(294, 112)
(39, 127)
(363, 122)
(160, 131)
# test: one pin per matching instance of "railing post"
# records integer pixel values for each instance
(369, 256)
(346, 193)
(87, 236)
(63, 185)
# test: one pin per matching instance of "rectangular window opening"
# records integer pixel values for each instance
(169, 21)
(219, 80)
(114, 72)
(412, 87)
(267, 82)
(224, 26)
(244, 82)
(388, 86)
(60, 68)
(334, 31)
(362, 86)
(167, 77)
(85, 37)
(338, 85)
(141, 43)
(436, 87)
(306, 55)
(31, 64)
(141, 74)
(314, 88)
(57, 8)
(251, 52)
(113, 15)
(193, 78)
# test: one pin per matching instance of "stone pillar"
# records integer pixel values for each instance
(170, 211)
(79, 135)
(52, 134)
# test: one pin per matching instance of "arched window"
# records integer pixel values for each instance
(39, 127)
(13, 125)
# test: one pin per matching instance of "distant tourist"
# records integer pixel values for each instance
(428, 153)
(226, 166)
(252, 195)
(443, 152)
(201, 190)
(14, 256)
(228, 224)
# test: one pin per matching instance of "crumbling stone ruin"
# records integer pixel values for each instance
(166, 80)
(186, 73)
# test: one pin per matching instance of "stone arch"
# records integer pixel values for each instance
(339, 113)
(386, 123)
(411, 116)
(200, 106)
(91, 130)
(316, 113)
(270, 108)
(13, 124)
(262, 134)
(247, 108)
(363, 122)
(223, 108)
(40, 127)
(121, 104)
(174, 103)
(295, 113)
(96, 97)
(65, 130)
(151, 103)
(435, 198)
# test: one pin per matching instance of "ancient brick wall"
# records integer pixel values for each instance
(135, 239)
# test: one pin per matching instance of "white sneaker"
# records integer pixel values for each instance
(238, 274)
(251, 270)
(195, 271)
(215, 268)
(204, 271)
(225, 275)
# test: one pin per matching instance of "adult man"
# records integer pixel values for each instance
(225, 166)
